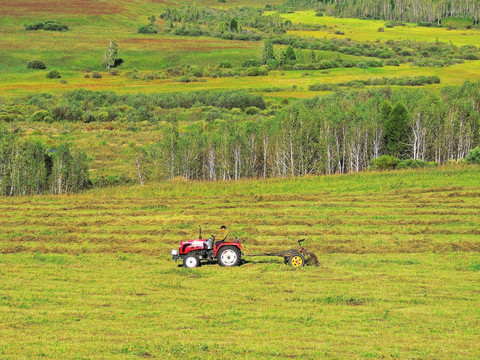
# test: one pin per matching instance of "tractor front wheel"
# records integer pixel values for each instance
(229, 256)
(296, 260)
(191, 261)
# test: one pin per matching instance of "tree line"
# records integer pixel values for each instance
(337, 133)
(29, 168)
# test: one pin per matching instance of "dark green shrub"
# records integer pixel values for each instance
(251, 63)
(414, 164)
(53, 74)
(225, 65)
(425, 23)
(54, 26)
(471, 56)
(36, 64)
(37, 25)
(252, 110)
(473, 156)
(392, 62)
(47, 25)
(256, 71)
(96, 75)
(147, 29)
(385, 162)
(380, 29)
(39, 116)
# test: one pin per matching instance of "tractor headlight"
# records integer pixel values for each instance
(174, 252)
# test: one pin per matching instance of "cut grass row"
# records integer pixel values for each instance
(151, 220)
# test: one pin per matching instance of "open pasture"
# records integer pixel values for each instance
(82, 47)
(88, 276)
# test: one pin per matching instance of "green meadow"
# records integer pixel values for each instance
(81, 49)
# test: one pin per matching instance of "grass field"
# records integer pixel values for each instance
(82, 48)
(88, 276)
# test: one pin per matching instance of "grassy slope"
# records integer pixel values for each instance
(82, 48)
(399, 273)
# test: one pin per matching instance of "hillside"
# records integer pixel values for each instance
(92, 24)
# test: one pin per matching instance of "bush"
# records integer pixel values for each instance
(53, 74)
(257, 71)
(415, 164)
(39, 116)
(425, 23)
(37, 25)
(385, 162)
(146, 29)
(251, 63)
(473, 156)
(96, 75)
(251, 110)
(392, 62)
(225, 65)
(380, 29)
(47, 25)
(54, 26)
(36, 64)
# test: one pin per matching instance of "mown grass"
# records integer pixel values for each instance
(89, 275)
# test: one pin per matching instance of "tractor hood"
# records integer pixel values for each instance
(189, 245)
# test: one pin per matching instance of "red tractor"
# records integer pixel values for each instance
(192, 252)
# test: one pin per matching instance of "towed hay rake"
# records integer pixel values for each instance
(295, 257)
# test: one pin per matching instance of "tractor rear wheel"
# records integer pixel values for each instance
(229, 256)
(191, 261)
(296, 260)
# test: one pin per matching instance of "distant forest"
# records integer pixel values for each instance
(337, 133)
(399, 10)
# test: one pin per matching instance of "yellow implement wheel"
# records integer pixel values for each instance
(296, 260)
